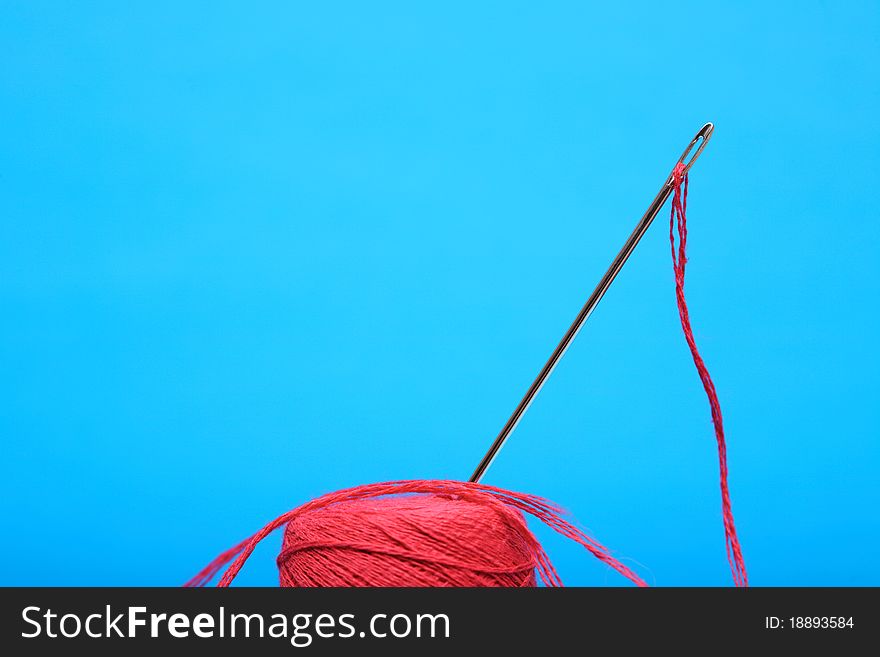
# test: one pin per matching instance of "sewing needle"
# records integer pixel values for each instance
(702, 137)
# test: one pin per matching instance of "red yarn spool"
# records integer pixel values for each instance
(408, 541)
(414, 533)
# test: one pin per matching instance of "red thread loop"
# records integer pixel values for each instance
(678, 220)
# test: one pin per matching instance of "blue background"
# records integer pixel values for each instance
(254, 252)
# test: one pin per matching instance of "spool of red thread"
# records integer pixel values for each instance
(414, 533)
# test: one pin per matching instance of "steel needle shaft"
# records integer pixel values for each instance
(701, 138)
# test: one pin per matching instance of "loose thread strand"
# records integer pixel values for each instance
(678, 223)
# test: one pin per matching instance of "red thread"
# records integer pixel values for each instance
(678, 217)
(413, 533)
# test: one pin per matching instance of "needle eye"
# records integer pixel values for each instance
(701, 138)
